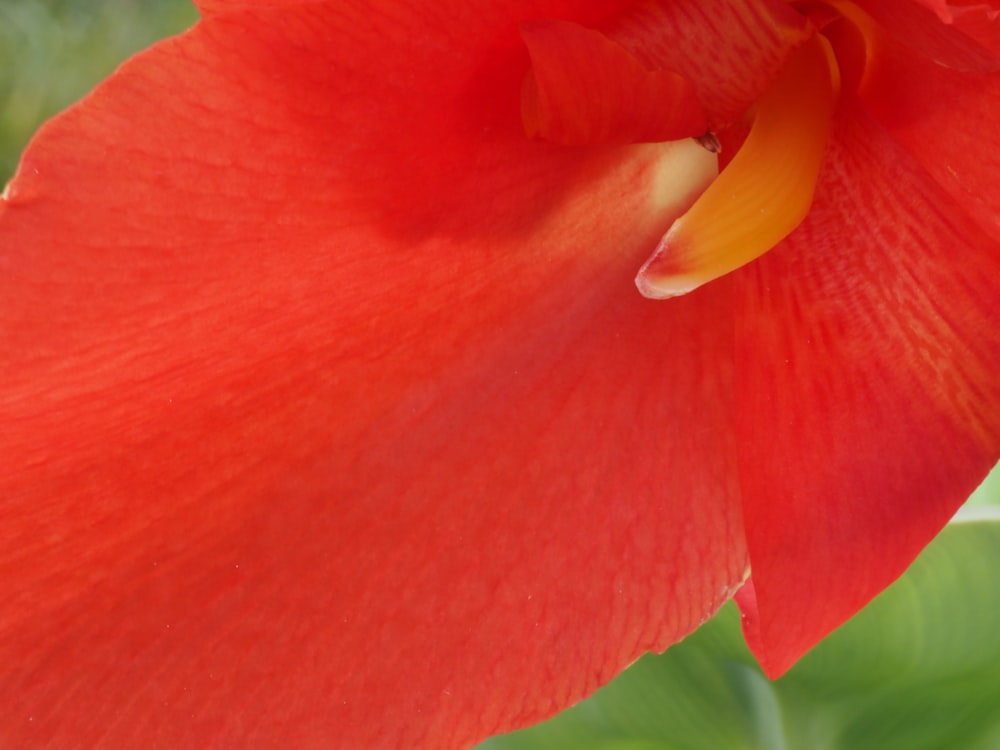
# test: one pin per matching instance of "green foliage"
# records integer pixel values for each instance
(919, 669)
(53, 51)
(988, 493)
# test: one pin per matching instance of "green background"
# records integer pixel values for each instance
(53, 51)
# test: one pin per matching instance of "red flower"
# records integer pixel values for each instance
(332, 416)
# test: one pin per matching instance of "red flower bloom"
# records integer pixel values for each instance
(332, 416)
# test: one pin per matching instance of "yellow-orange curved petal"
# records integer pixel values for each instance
(766, 190)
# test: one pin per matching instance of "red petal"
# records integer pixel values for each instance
(926, 35)
(943, 118)
(981, 21)
(940, 7)
(868, 348)
(584, 88)
(214, 7)
(331, 415)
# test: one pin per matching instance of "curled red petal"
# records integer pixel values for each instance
(869, 406)
(331, 416)
(731, 50)
(586, 89)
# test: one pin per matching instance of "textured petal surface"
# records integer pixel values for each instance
(886, 411)
(332, 418)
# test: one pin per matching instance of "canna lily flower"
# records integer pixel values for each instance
(388, 374)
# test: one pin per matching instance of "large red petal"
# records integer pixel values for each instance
(331, 416)
(869, 403)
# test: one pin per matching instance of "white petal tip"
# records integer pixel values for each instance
(665, 288)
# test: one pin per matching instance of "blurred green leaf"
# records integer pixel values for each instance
(988, 492)
(52, 52)
(919, 669)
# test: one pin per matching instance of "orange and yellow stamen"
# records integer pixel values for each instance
(766, 190)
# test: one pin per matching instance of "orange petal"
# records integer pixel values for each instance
(764, 192)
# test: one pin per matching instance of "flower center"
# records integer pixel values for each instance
(766, 190)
